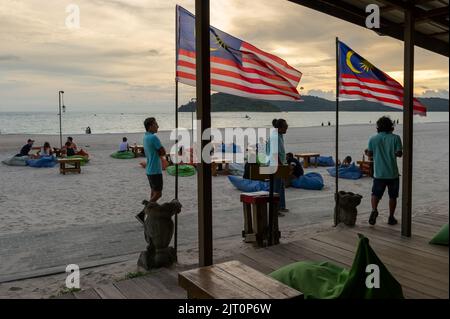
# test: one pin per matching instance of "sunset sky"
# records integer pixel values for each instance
(122, 58)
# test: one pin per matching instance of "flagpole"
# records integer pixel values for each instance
(336, 198)
(175, 239)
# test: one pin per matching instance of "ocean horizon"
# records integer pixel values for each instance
(47, 123)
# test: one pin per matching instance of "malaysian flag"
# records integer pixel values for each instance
(237, 67)
(358, 78)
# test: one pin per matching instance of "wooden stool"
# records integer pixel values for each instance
(75, 161)
(256, 221)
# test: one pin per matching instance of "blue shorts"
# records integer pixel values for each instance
(379, 186)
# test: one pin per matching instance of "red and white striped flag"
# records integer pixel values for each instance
(237, 67)
(358, 78)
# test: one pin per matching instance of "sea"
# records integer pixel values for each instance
(76, 122)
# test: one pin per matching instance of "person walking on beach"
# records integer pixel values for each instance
(153, 151)
(279, 155)
(385, 147)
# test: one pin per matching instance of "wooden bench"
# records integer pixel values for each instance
(306, 158)
(233, 280)
(137, 150)
(69, 161)
(257, 228)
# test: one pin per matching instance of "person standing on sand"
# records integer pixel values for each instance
(385, 147)
(279, 155)
(153, 150)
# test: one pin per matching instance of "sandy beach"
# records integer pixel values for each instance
(108, 190)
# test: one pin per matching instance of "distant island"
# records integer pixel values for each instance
(222, 102)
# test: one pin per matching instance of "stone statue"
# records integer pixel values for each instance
(159, 229)
(346, 211)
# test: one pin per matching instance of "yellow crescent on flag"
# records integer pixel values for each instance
(349, 63)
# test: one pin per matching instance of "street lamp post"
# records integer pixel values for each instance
(61, 103)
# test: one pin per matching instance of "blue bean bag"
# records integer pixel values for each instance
(248, 185)
(309, 181)
(347, 172)
(323, 161)
(236, 169)
(45, 161)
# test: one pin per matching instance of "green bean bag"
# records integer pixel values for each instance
(324, 280)
(441, 238)
(123, 155)
(183, 170)
(84, 160)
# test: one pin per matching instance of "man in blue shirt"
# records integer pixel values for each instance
(153, 151)
(385, 147)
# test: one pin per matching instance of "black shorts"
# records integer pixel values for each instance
(156, 182)
(379, 186)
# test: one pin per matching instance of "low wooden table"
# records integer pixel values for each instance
(306, 158)
(137, 150)
(233, 280)
(215, 162)
(75, 161)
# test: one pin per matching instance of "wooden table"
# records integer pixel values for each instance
(75, 161)
(215, 162)
(137, 150)
(306, 158)
(233, 280)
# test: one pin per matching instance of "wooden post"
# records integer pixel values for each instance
(203, 88)
(408, 122)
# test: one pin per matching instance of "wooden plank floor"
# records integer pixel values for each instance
(159, 284)
(421, 268)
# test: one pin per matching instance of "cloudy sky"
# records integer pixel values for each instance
(122, 56)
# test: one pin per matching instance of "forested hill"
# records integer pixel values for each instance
(222, 102)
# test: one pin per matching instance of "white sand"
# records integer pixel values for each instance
(111, 190)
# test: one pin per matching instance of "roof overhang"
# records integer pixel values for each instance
(431, 18)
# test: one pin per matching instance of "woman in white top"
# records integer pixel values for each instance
(46, 150)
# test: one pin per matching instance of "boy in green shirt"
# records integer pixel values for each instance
(385, 147)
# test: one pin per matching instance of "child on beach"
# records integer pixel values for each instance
(347, 161)
(124, 147)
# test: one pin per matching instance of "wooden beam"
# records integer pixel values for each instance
(425, 15)
(438, 34)
(408, 123)
(203, 88)
(389, 8)
(352, 14)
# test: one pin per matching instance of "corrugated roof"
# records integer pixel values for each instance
(431, 18)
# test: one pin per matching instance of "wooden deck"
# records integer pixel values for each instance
(422, 269)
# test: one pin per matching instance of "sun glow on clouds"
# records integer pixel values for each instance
(123, 54)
